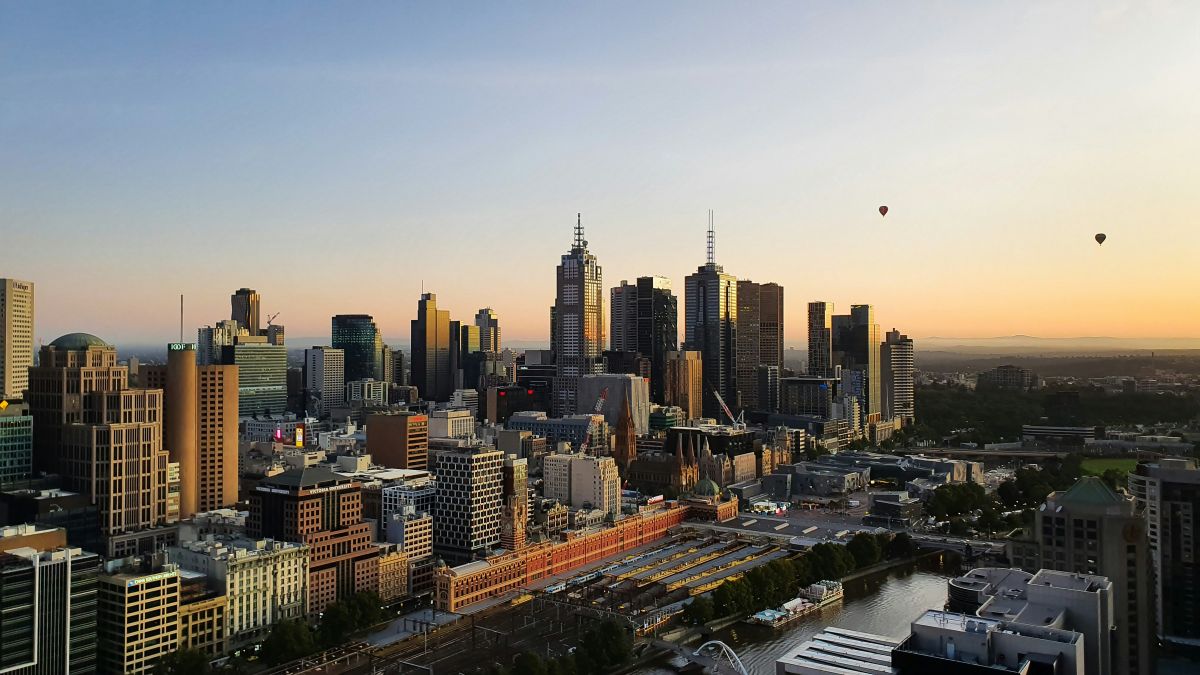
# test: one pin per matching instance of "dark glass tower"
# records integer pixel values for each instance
(710, 301)
(657, 328)
(434, 355)
(360, 339)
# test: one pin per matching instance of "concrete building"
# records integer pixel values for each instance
(263, 581)
(1006, 378)
(809, 396)
(514, 490)
(433, 373)
(466, 511)
(323, 510)
(16, 337)
(897, 362)
(49, 601)
(1167, 491)
(212, 340)
(839, 651)
(503, 401)
(361, 343)
(961, 644)
(138, 615)
(710, 327)
(684, 385)
(244, 304)
(451, 424)
(325, 379)
(820, 339)
(583, 481)
(622, 323)
(645, 321)
(571, 429)
(200, 427)
(16, 444)
(577, 329)
(620, 390)
(89, 426)
(759, 337)
(399, 439)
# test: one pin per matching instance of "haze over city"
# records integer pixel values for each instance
(154, 150)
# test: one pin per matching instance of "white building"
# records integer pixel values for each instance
(582, 481)
(264, 581)
(16, 337)
(451, 424)
(621, 387)
(325, 377)
(367, 391)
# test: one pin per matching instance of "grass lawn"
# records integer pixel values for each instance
(1094, 466)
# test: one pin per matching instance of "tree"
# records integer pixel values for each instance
(865, 549)
(289, 640)
(183, 662)
(901, 546)
(336, 623)
(366, 609)
(528, 663)
(699, 611)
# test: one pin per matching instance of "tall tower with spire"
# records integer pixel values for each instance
(625, 450)
(710, 305)
(577, 337)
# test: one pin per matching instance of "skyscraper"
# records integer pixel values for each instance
(212, 340)
(622, 322)
(361, 344)
(262, 375)
(898, 367)
(325, 378)
(657, 328)
(489, 330)
(399, 439)
(578, 323)
(466, 512)
(16, 337)
(16, 444)
(710, 301)
(856, 341)
(245, 302)
(684, 386)
(820, 339)
(1167, 491)
(89, 426)
(432, 353)
(759, 337)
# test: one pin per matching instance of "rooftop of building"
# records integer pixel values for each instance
(844, 652)
(1091, 491)
(993, 580)
(306, 477)
(226, 548)
(78, 342)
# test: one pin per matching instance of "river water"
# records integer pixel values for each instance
(883, 603)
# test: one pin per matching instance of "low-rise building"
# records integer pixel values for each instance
(393, 572)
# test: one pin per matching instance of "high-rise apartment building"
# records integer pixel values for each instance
(1167, 491)
(467, 510)
(622, 322)
(325, 378)
(1090, 529)
(577, 330)
(856, 346)
(361, 343)
(711, 306)
(644, 321)
(759, 337)
(262, 375)
(16, 337)
(399, 440)
(245, 305)
(583, 481)
(820, 339)
(317, 507)
(898, 365)
(104, 438)
(48, 593)
(431, 367)
(200, 427)
(684, 383)
(489, 330)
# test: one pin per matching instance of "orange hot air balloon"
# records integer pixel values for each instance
(883, 210)
(1100, 238)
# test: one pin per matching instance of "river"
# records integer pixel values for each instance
(883, 603)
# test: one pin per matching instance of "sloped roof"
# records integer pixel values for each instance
(1092, 491)
(307, 477)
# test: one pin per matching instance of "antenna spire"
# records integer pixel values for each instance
(712, 240)
(580, 242)
(181, 317)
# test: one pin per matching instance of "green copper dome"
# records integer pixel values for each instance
(78, 341)
(707, 488)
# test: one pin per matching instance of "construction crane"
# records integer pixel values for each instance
(596, 410)
(738, 422)
(271, 318)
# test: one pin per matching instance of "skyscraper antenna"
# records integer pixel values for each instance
(181, 317)
(712, 240)
(579, 241)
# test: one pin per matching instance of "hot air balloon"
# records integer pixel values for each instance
(883, 210)
(1100, 238)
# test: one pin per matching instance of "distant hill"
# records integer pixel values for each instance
(1033, 344)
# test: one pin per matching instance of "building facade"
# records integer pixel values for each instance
(684, 386)
(16, 337)
(489, 330)
(138, 615)
(577, 330)
(759, 337)
(325, 379)
(16, 444)
(897, 361)
(361, 343)
(244, 304)
(399, 440)
(820, 339)
(431, 369)
(711, 309)
(856, 345)
(262, 375)
(467, 508)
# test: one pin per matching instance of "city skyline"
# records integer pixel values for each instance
(161, 140)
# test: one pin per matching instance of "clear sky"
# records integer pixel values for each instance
(336, 155)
